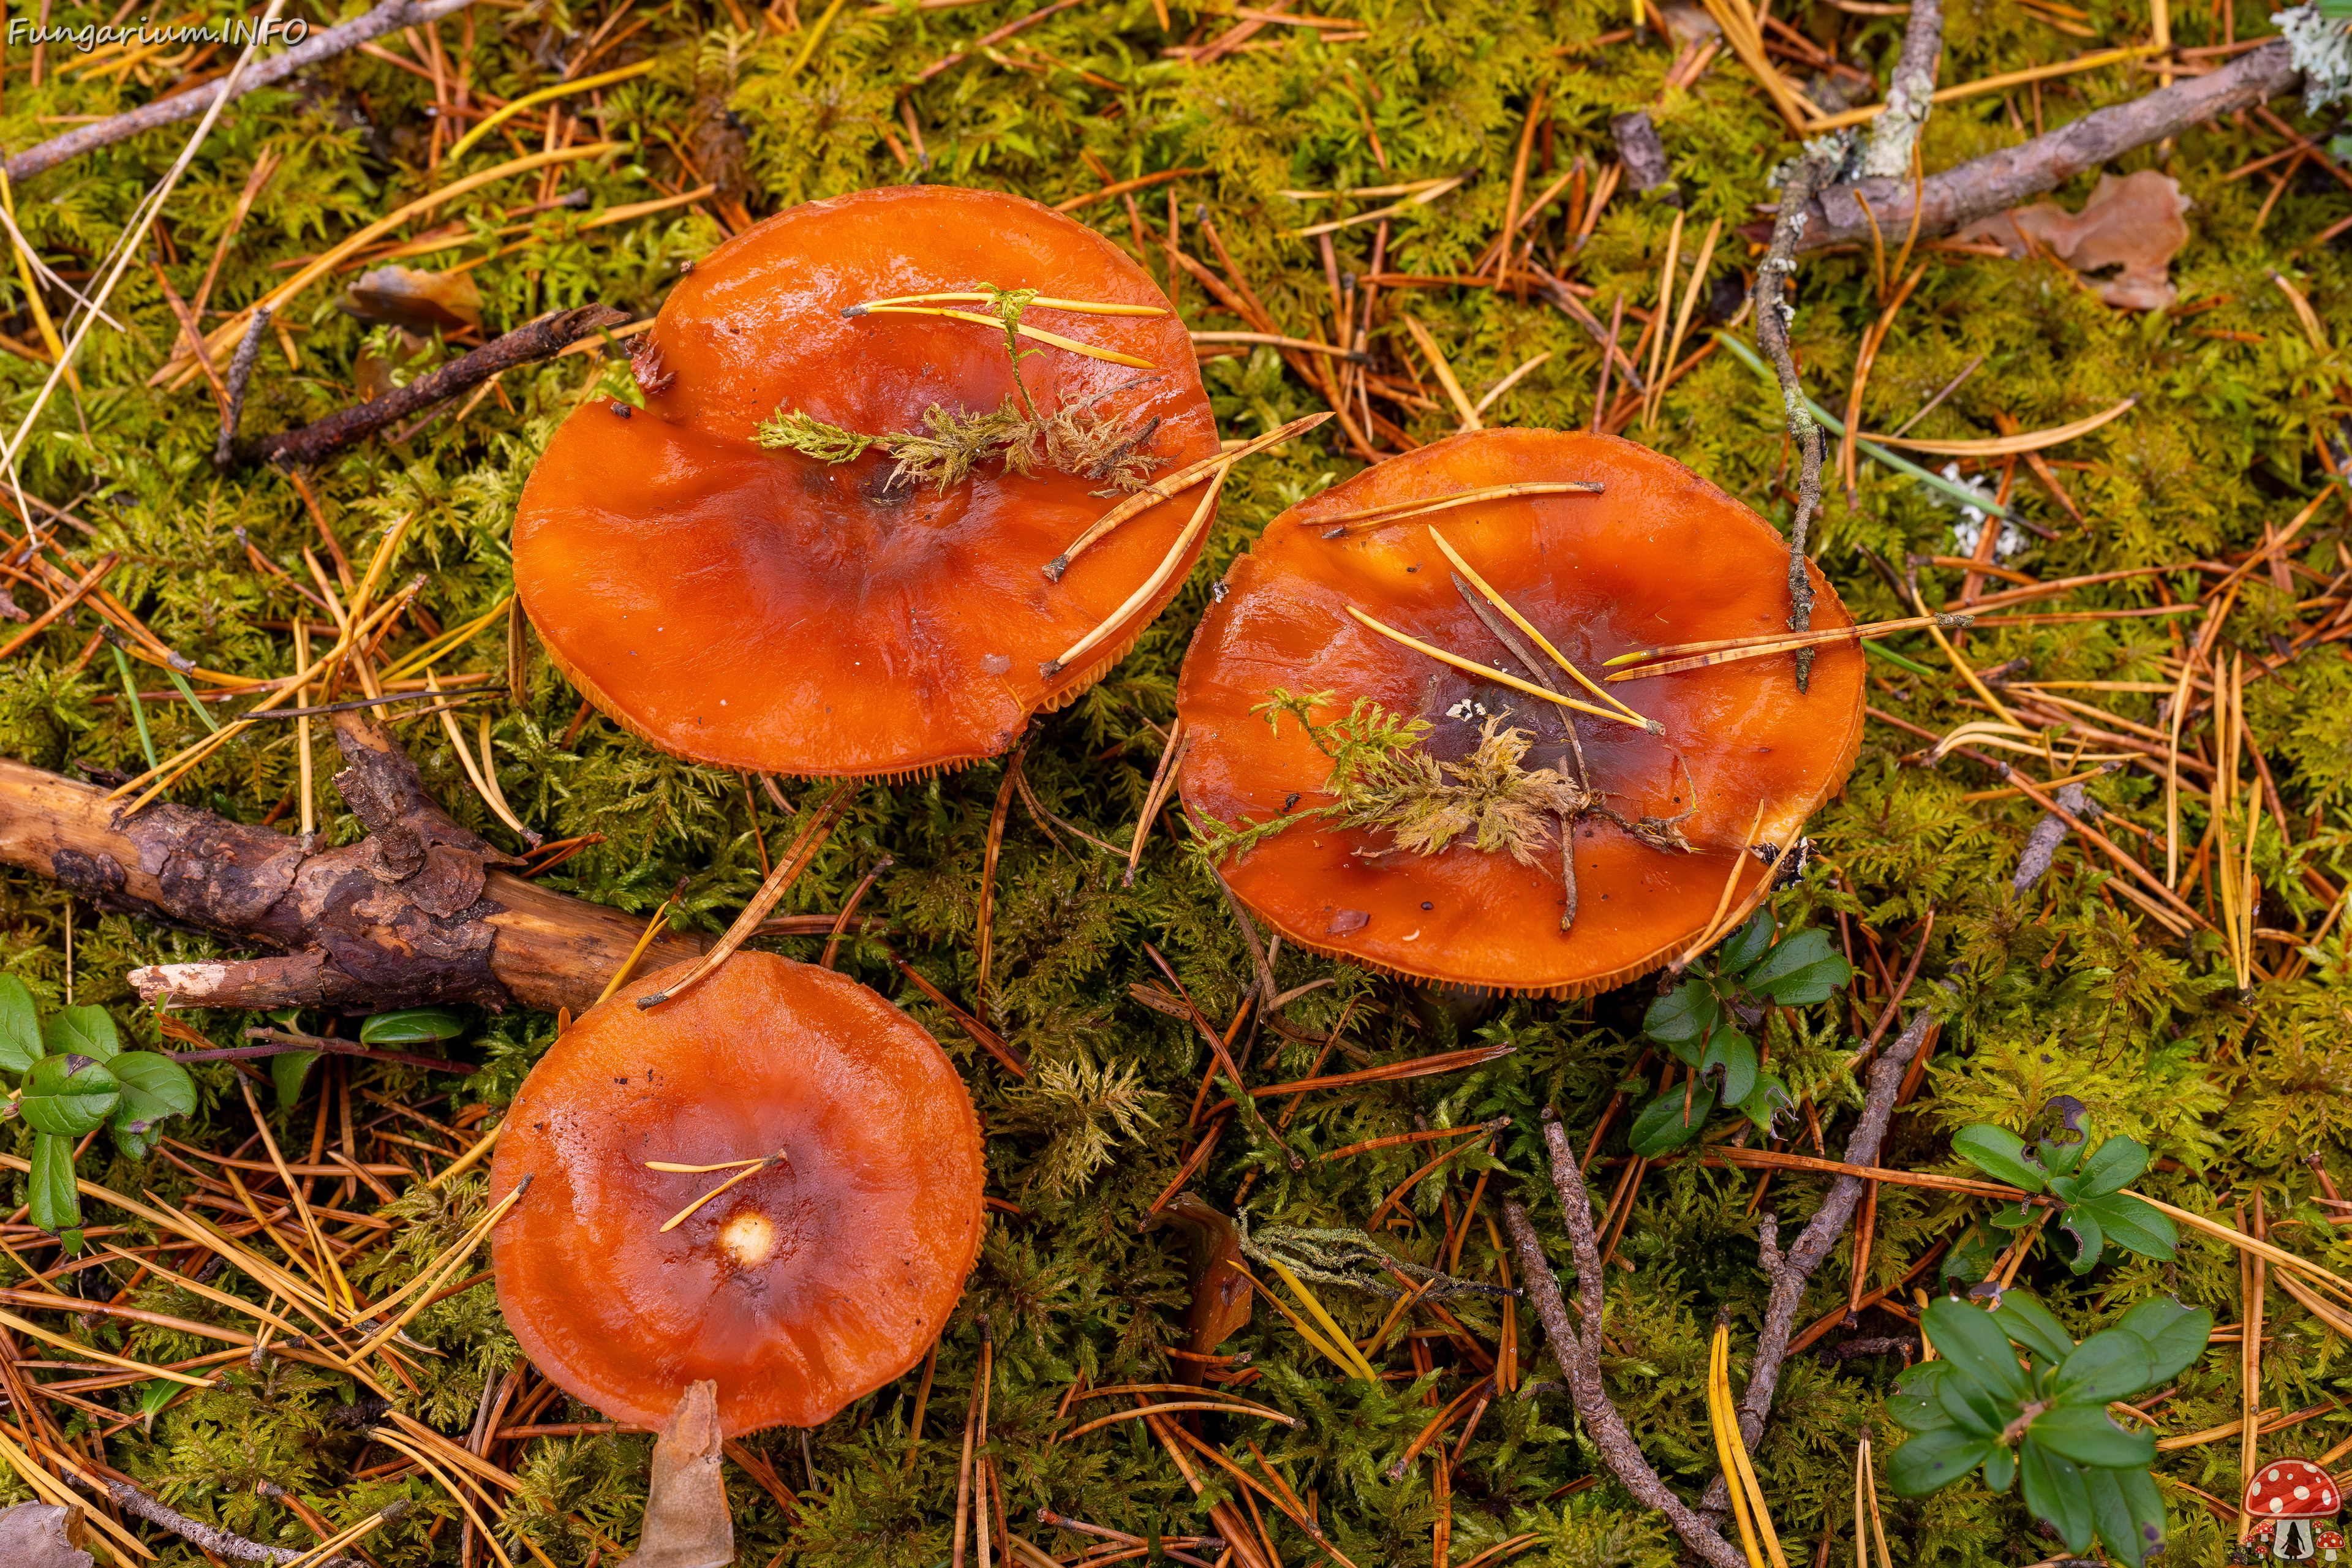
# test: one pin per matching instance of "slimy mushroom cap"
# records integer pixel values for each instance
(754, 607)
(811, 1282)
(1659, 556)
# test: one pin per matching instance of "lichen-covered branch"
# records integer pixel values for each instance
(1909, 96)
(211, 1538)
(1776, 309)
(1999, 181)
(1577, 1347)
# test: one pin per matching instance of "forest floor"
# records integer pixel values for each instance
(2182, 975)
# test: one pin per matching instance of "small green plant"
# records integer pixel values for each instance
(74, 1078)
(1016, 433)
(1382, 780)
(2086, 1190)
(2042, 1419)
(1699, 1022)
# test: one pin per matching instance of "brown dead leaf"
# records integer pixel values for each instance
(1221, 1291)
(686, 1522)
(42, 1535)
(419, 301)
(2133, 224)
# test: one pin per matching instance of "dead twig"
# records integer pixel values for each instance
(542, 339)
(386, 18)
(1775, 310)
(1909, 95)
(1579, 1352)
(240, 375)
(211, 1538)
(1999, 181)
(1790, 1271)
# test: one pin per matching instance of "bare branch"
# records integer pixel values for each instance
(1579, 1353)
(542, 339)
(385, 18)
(2002, 180)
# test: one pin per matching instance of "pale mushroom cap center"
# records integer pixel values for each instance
(748, 1238)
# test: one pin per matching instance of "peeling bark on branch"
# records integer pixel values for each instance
(414, 914)
(2005, 179)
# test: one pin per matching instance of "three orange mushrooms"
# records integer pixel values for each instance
(916, 464)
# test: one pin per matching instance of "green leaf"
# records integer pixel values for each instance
(2085, 1434)
(1935, 1459)
(1999, 1470)
(2053, 1489)
(136, 1146)
(1971, 1258)
(2127, 1512)
(1665, 1123)
(153, 1395)
(1735, 1053)
(1749, 943)
(1803, 970)
(1999, 1154)
(1685, 1013)
(20, 1026)
(2114, 1164)
(1914, 1406)
(411, 1026)
(153, 1086)
(1769, 1098)
(287, 1072)
(2133, 1224)
(2082, 1222)
(1969, 1406)
(1976, 1346)
(2175, 1335)
(49, 1193)
(2106, 1366)
(67, 1096)
(81, 1032)
(2033, 1325)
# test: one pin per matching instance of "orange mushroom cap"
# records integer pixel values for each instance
(811, 1282)
(758, 608)
(1658, 557)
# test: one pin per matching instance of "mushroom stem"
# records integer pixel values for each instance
(1521, 622)
(1039, 334)
(1174, 485)
(682, 1216)
(796, 859)
(1396, 511)
(1503, 678)
(1151, 585)
(1083, 307)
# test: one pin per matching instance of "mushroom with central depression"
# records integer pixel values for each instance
(868, 423)
(771, 1181)
(1412, 735)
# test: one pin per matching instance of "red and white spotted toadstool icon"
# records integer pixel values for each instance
(2288, 1498)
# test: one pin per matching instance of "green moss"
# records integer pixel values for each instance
(2065, 988)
